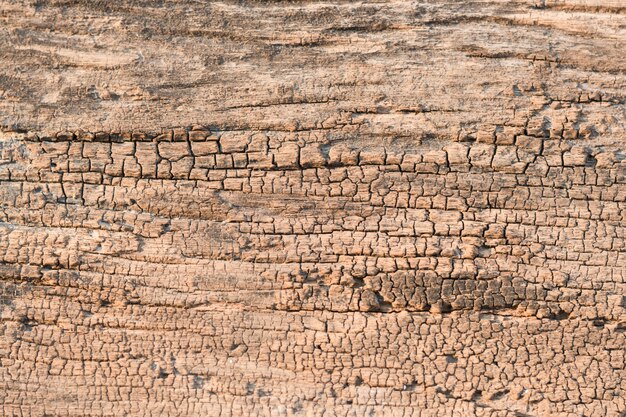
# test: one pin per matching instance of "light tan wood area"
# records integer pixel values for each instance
(306, 208)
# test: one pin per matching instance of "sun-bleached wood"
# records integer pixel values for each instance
(311, 208)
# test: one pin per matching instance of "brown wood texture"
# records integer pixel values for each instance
(391, 208)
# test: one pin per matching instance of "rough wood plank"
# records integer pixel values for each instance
(313, 208)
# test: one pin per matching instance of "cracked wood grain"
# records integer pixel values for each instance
(312, 208)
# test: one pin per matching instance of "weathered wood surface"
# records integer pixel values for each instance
(313, 208)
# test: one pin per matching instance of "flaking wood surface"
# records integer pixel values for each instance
(313, 208)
